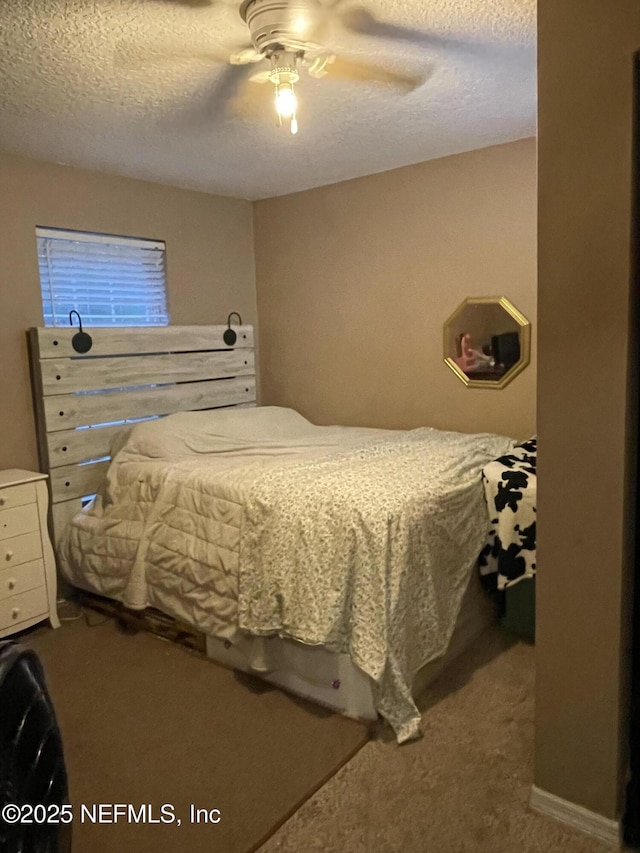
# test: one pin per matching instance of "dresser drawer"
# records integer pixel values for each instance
(20, 549)
(20, 519)
(17, 496)
(21, 607)
(23, 578)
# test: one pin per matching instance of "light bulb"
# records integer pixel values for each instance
(285, 100)
(294, 125)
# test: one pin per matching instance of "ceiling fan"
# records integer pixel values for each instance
(291, 38)
(290, 34)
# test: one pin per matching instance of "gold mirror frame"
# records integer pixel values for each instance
(525, 342)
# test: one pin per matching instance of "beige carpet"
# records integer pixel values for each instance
(146, 721)
(463, 788)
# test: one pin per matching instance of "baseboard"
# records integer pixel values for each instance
(575, 816)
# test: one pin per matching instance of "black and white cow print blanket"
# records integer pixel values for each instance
(510, 489)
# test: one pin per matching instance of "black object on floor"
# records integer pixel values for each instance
(33, 777)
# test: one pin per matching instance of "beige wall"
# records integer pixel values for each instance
(586, 424)
(210, 263)
(356, 279)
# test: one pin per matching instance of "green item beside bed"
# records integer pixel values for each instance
(520, 609)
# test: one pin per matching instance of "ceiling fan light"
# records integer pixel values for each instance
(285, 100)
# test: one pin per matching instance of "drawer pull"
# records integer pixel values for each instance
(15, 612)
(12, 584)
(3, 501)
(8, 555)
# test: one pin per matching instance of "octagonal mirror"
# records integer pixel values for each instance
(487, 342)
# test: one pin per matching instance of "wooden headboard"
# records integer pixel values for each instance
(83, 402)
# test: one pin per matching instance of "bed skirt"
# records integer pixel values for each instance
(331, 679)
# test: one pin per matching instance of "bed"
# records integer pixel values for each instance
(338, 562)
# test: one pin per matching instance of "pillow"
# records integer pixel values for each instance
(256, 422)
(214, 431)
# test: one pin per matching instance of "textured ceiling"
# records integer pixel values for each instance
(64, 99)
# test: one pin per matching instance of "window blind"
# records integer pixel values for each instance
(110, 281)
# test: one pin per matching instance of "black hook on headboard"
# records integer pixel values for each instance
(81, 341)
(230, 336)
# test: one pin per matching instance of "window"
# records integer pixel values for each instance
(110, 281)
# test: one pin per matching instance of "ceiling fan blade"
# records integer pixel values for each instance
(193, 4)
(202, 4)
(253, 103)
(347, 69)
(245, 56)
(226, 89)
(209, 102)
(127, 56)
(260, 77)
(359, 20)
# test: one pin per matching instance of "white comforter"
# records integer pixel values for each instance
(360, 540)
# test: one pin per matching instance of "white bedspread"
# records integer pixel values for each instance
(360, 540)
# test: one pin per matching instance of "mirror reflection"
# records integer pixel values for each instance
(486, 341)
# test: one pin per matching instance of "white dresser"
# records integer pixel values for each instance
(27, 564)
